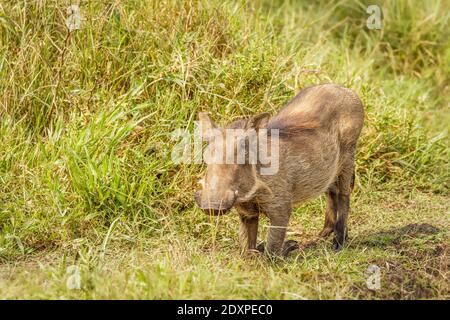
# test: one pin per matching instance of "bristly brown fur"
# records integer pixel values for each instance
(319, 130)
(292, 130)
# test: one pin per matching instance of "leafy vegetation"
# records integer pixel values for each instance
(86, 119)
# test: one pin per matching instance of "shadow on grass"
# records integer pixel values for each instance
(413, 272)
(384, 238)
(395, 236)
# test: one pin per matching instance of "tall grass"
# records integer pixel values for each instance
(86, 116)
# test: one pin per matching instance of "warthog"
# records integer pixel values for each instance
(318, 132)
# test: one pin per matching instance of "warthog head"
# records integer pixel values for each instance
(230, 174)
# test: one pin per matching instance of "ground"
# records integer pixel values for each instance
(406, 236)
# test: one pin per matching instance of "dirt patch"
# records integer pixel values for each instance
(418, 274)
(395, 236)
(414, 272)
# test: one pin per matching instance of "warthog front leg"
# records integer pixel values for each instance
(274, 240)
(248, 233)
(277, 234)
(278, 213)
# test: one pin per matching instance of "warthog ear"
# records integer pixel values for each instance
(207, 125)
(258, 121)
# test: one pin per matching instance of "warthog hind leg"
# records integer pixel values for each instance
(330, 211)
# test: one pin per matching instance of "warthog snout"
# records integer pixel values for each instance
(214, 204)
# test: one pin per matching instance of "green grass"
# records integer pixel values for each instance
(86, 177)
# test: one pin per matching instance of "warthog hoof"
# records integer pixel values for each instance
(261, 247)
(288, 246)
(336, 245)
(338, 242)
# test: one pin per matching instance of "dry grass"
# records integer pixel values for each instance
(85, 120)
